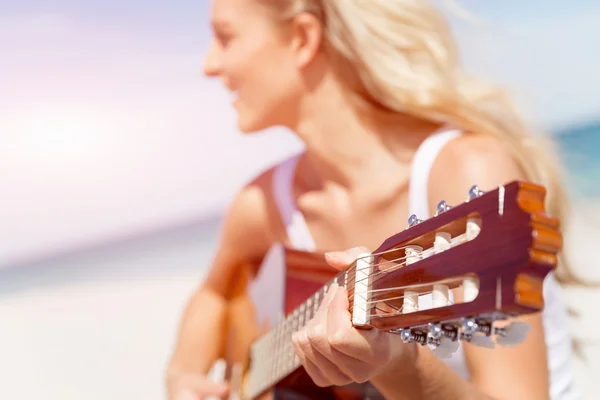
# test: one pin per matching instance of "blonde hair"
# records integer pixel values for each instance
(406, 60)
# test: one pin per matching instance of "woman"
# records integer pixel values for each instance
(391, 126)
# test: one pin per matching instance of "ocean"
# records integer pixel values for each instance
(580, 152)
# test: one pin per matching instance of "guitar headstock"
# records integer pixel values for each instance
(452, 276)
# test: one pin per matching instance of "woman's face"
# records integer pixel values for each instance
(256, 60)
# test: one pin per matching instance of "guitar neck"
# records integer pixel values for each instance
(274, 352)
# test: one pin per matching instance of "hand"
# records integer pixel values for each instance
(190, 386)
(331, 350)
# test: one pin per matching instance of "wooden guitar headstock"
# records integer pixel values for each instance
(446, 279)
(454, 274)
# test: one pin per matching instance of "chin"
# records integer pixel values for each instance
(248, 130)
(250, 126)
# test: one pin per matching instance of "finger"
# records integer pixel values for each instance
(328, 296)
(195, 387)
(325, 342)
(334, 364)
(315, 373)
(342, 259)
(359, 344)
(318, 375)
(322, 371)
(187, 395)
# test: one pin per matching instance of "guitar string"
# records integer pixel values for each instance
(351, 272)
(351, 269)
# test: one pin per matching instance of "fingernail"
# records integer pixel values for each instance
(337, 256)
(187, 395)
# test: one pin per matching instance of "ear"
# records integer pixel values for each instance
(307, 38)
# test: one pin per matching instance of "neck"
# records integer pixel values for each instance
(348, 141)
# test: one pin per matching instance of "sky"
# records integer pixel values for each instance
(109, 129)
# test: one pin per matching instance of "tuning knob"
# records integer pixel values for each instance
(513, 334)
(413, 220)
(446, 348)
(475, 192)
(405, 335)
(469, 327)
(435, 330)
(482, 341)
(442, 207)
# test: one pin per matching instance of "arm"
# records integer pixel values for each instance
(245, 236)
(477, 160)
(501, 373)
(335, 353)
(422, 375)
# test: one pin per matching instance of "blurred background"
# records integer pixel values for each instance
(118, 158)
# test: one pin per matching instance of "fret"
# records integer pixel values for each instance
(291, 354)
(308, 309)
(340, 279)
(302, 315)
(289, 326)
(288, 341)
(280, 342)
(295, 320)
(271, 345)
(289, 347)
(274, 353)
(350, 284)
(317, 301)
(346, 279)
(273, 356)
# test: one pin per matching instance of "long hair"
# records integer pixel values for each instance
(404, 56)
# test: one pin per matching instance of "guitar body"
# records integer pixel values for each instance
(283, 281)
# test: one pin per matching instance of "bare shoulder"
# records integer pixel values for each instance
(485, 161)
(248, 230)
(248, 222)
(468, 160)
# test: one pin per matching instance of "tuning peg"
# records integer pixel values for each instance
(405, 335)
(484, 341)
(442, 207)
(446, 348)
(469, 327)
(413, 220)
(513, 334)
(435, 330)
(475, 192)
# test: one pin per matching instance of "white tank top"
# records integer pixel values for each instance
(554, 315)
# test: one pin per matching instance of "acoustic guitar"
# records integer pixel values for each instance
(441, 281)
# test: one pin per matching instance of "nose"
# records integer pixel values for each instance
(212, 62)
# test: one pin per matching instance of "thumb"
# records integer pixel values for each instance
(210, 388)
(199, 387)
(342, 259)
(215, 388)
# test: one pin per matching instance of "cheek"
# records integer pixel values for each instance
(274, 88)
(261, 67)
(264, 77)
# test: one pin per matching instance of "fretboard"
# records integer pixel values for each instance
(273, 355)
